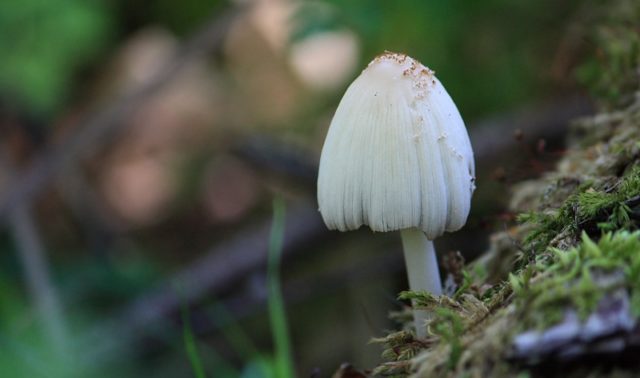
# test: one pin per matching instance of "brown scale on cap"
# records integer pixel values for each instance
(415, 69)
(421, 76)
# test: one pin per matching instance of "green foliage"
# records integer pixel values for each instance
(399, 348)
(565, 279)
(28, 352)
(419, 298)
(450, 319)
(42, 43)
(449, 326)
(610, 73)
(277, 315)
(468, 306)
(467, 282)
(256, 364)
(502, 38)
(179, 17)
(520, 282)
(606, 208)
(190, 345)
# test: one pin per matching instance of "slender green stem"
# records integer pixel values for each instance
(422, 270)
(277, 315)
(190, 344)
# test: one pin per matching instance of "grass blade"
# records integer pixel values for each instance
(277, 315)
(190, 345)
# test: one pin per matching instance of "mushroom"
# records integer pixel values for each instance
(397, 156)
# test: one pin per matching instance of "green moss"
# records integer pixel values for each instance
(399, 348)
(449, 326)
(565, 279)
(592, 208)
(610, 73)
(451, 318)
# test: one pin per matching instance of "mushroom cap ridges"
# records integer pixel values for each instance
(397, 154)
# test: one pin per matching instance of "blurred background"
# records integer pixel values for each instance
(142, 145)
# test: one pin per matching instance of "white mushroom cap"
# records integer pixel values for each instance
(397, 154)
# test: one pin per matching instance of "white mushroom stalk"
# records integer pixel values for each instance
(397, 157)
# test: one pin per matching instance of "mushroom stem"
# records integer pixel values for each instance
(422, 269)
